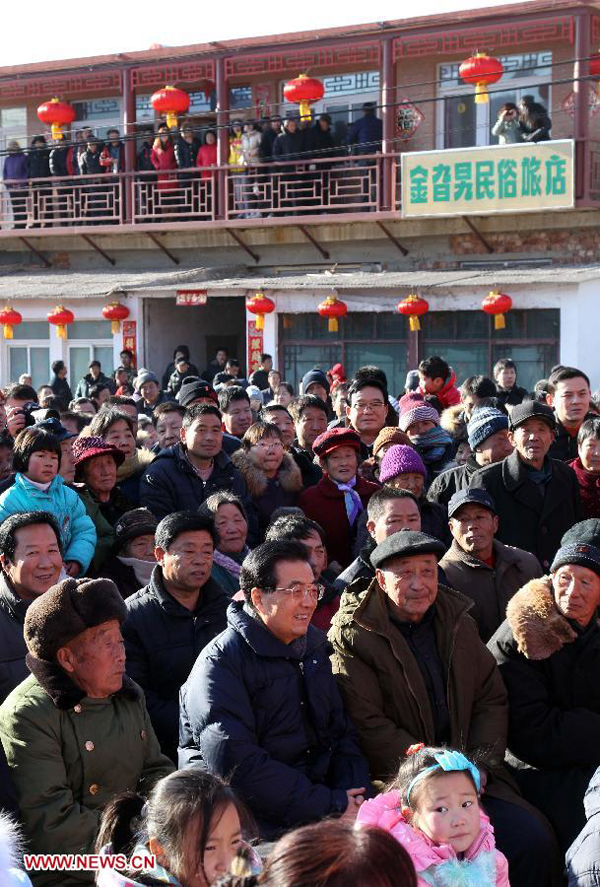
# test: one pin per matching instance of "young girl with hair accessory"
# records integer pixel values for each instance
(432, 808)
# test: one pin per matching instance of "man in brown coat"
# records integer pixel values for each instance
(412, 668)
(480, 567)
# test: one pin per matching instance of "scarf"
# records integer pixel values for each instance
(478, 872)
(142, 569)
(432, 445)
(228, 562)
(39, 486)
(352, 500)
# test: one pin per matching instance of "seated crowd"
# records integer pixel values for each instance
(254, 637)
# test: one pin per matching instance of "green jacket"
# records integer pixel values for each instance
(69, 756)
(104, 531)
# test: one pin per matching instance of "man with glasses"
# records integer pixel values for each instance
(261, 705)
(367, 410)
(171, 619)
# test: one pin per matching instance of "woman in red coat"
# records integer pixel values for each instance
(340, 496)
(163, 158)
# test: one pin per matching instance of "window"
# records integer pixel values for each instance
(34, 360)
(100, 115)
(343, 99)
(96, 344)
(463, 124)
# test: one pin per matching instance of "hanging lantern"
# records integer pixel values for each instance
(332, 308)
(260, 305)
(595, 67)
(56, 114)
(303, 91)
(413, 307)
(60, 317)
(497, 304)
(481, 69)
(10, 318)
(115, 312)
(170, 101)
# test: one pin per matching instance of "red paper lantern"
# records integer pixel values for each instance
(332, 308)
(413, 307)
(115, 312)
(170, 101)
(260, 305)
(481, 69)
(56, 114)
(60, 317)
(303, 91)
(497, 304)
(10, 318)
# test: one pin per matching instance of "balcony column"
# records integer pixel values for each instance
(581, 121)
(129, 133)
(388, 115)
(222, 137)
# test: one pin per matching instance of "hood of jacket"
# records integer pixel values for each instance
(262, 641)
(453, 420)
(288, 475)
(538, 627)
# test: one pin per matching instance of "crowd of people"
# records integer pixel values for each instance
(257, 636)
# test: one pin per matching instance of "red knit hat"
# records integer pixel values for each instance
(335, 438)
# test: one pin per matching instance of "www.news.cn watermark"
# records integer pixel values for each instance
(89, 862)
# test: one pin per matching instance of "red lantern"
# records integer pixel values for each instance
(595, 67)
(332, 308)
(60, 317)
(260, 305)
(481, 69)
(115, 312)
(171, 102)
(302, 91)
(413, 307)
(497, 304)
(10, 318)
(56, 114)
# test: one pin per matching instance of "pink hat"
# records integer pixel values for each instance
(418, 413)
(85, 448)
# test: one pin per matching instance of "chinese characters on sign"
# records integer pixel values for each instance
(185, 298)
(130, 338)
(408, 119)
(502, 178)
(255, 346)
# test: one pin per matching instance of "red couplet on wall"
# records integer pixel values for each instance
(130, 338)
(255, 346)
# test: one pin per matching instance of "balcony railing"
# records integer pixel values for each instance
(211, 196)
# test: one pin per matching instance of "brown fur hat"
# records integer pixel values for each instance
(535, 621)
(66, 610)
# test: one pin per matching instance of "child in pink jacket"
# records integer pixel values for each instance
(433, 810)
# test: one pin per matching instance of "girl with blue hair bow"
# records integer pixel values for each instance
(432, 808)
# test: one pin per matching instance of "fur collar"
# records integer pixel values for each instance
(289, 475)
(61, 689)
(537, 626)
(452, 420)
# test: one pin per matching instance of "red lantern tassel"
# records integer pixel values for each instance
(115, 327)
(260, 321)
(481, 93)
(8, 331)
(414, 324)
(499, 322)
(332, 325)
(61, 331)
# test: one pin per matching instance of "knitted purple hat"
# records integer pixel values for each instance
(400, 459)
(419, 413)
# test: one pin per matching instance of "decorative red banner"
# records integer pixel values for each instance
(130, 338)
(255, 346)
(185, 298)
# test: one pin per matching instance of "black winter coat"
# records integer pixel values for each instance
(513, 397)
(565, 446)
(446, 484)
(186, 153)
(272, 718)
(61, 388)
(311, 473)
(289, 145)
(121, 574)
(12, 643)
(58, 161)
(162, 640)
(527, 520)
(318, 143)
(583, 856)
(265, 149)
(171, 484)
(144, 160)
(38, 160)
(89, 163)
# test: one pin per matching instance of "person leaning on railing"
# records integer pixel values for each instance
(15, 175)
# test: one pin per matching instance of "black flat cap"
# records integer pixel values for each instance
(476, 496)
(531, 409)
(586, 532)
(405, 543)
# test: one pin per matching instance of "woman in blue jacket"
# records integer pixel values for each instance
(39, 487)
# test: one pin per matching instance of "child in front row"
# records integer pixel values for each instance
(432, 809)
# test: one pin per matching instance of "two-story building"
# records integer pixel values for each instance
(437, 208)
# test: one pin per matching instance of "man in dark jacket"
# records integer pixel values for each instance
(93, 378)
(480, 567)
(411, 668)
(186, 148)
(261, 704)
(508, 393)
(184, 475)
(265, 149)
(173, 618)
(217, 365)
(365, 134)
(569, 395)
(59, 384)
(31, 558)
(548, 653)
(487, 432)
(537, 498)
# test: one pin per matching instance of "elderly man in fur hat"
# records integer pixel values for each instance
(76, 731)
(548, 652)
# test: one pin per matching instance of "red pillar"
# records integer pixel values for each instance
(129, 133)
(582, 118)
(222, 136)
(388, 115)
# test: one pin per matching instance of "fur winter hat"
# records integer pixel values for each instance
(66, 610)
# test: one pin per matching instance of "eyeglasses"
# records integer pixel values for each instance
(269, 445)
(299, 592)
(363, 407)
